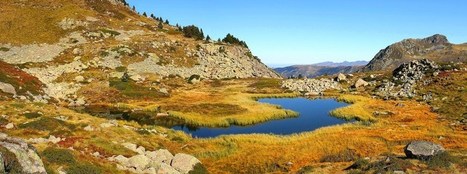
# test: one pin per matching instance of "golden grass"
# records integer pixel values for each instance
(357, 110)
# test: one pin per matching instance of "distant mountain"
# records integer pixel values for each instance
(436, 48)
(318, 69)
(345, 63)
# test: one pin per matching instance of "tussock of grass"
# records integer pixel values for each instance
(211, 109)
(46, 124)
(357, 110)
(59, 156)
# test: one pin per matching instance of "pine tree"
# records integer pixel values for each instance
(144, 14)
(167, 22)
(152, 16)
(208, 38)
(134, 8)
(160, 26)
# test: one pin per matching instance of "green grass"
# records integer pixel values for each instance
(135, 91)
(121, 69)
(198, 169)
(5, 49)
(59, 156)
(110, 32)
(108, 148)
(46, 124)
(213, 109)
(32, 115)
(266, 83)
(85, 168)
(443, 160)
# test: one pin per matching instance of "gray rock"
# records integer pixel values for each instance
(7, 88)
(166, 169)
(139, 162)
(184, 163)
(25, 155)
(361, 83)
(161, 156)
(422, 150)
(341, 77)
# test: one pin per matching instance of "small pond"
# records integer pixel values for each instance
(314, 114)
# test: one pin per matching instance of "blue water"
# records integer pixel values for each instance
(313, 115)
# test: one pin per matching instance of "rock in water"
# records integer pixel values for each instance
(184, 163)
(15, 150)
(422, 150)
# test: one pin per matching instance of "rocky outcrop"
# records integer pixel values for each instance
(152, 162)
(422, 150)
(214, 62)
(436, 47)
(310, 86)
(16, 156)
(406, 77)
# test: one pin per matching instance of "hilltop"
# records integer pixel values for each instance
(72, 45)
(436, 48)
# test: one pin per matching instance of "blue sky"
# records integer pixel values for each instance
(307, 31)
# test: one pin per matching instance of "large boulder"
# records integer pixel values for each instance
(422, 149)
(341, 77)
(7, 88)
(184, 163)
(361, 83)
(139, 162)
(161, 156)
(16, 156)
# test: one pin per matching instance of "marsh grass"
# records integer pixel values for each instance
(357, 110)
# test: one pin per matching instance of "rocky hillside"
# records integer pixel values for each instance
(436, 48)
(319, 69)
(68, 45)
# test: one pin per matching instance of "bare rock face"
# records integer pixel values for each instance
(436, 47)
(19, 157)
(422, 150)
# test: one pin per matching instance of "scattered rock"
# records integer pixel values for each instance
(361, 83)
(310, 86)
(139, 162)
(79, 79)
(422, 150)
(184, 163)
(77, 51)
(10, 126)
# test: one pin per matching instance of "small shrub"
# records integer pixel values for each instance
(45, 124)
(443, 160)
(85, 168)
(59, 156)
(305, 170)
(5, 49)
(343, 156)
(121, 69)
(32, 115)
(3, 121)
(199, 169)
(110, 32)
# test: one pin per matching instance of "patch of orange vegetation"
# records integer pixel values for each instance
(19, 78)
(263, 153)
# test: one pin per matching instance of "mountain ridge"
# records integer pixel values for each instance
(436, 48)
(319, 69)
